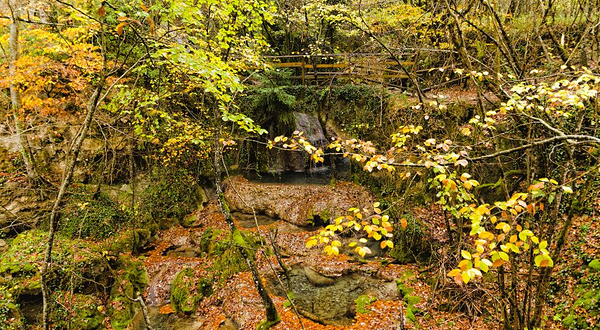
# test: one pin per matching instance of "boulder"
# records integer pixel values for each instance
(301, 205)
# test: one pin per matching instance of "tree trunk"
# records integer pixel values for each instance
(272, 317)
(68, 174)
(15, 96)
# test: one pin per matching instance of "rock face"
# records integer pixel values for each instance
(298, 161)
(333, 301)
(301, 205)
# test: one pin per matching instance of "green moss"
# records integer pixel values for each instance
(10, 315)
(171, 194)
(238, 239)
(225, 248)
(130, 284)
(26, 252)
(584, 313)
(187, 290)
(189, 220)
(411, 243)
(129, 241)
(85, 312)
(89, 215)
(362, 302)
(229, 263)
(266, 324)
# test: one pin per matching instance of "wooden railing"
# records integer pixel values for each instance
(373, 67)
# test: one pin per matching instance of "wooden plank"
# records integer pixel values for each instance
(404, 63)
(289, 65)
(335, 65)
(328, 73)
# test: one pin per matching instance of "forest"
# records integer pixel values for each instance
(299, 164)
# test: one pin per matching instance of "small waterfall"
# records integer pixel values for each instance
(279, 161)
(313, 132)
(312, 129)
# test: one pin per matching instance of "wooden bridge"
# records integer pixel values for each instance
(372, 67)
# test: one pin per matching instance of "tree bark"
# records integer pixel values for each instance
(66, 180)
(15, 95)
(272, 317)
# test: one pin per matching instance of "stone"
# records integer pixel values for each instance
(298, 204)
(317, 279)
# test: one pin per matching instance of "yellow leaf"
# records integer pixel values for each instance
(361, 251)
(483, 266)
(479, 249)
(465, 277)
(311, 242)
(463, 264)
(465, 254)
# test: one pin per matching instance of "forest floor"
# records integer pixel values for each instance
(237, 305)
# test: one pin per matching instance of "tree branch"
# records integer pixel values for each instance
(568, 138)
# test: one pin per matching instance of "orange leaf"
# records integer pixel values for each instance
(166, 309)
(458, 279)
(120, 27)
(101, 11)
(403, 223)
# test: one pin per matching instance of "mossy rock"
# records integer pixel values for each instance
(584, 313)
(17, 259)
(226, 250)
(130, 241)
(19, 264)
(10, 315)
(89, 215)
(187, 290)
(86, 312)
(411, 244)
(130, 284)
(171, 194)
(190, 220)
